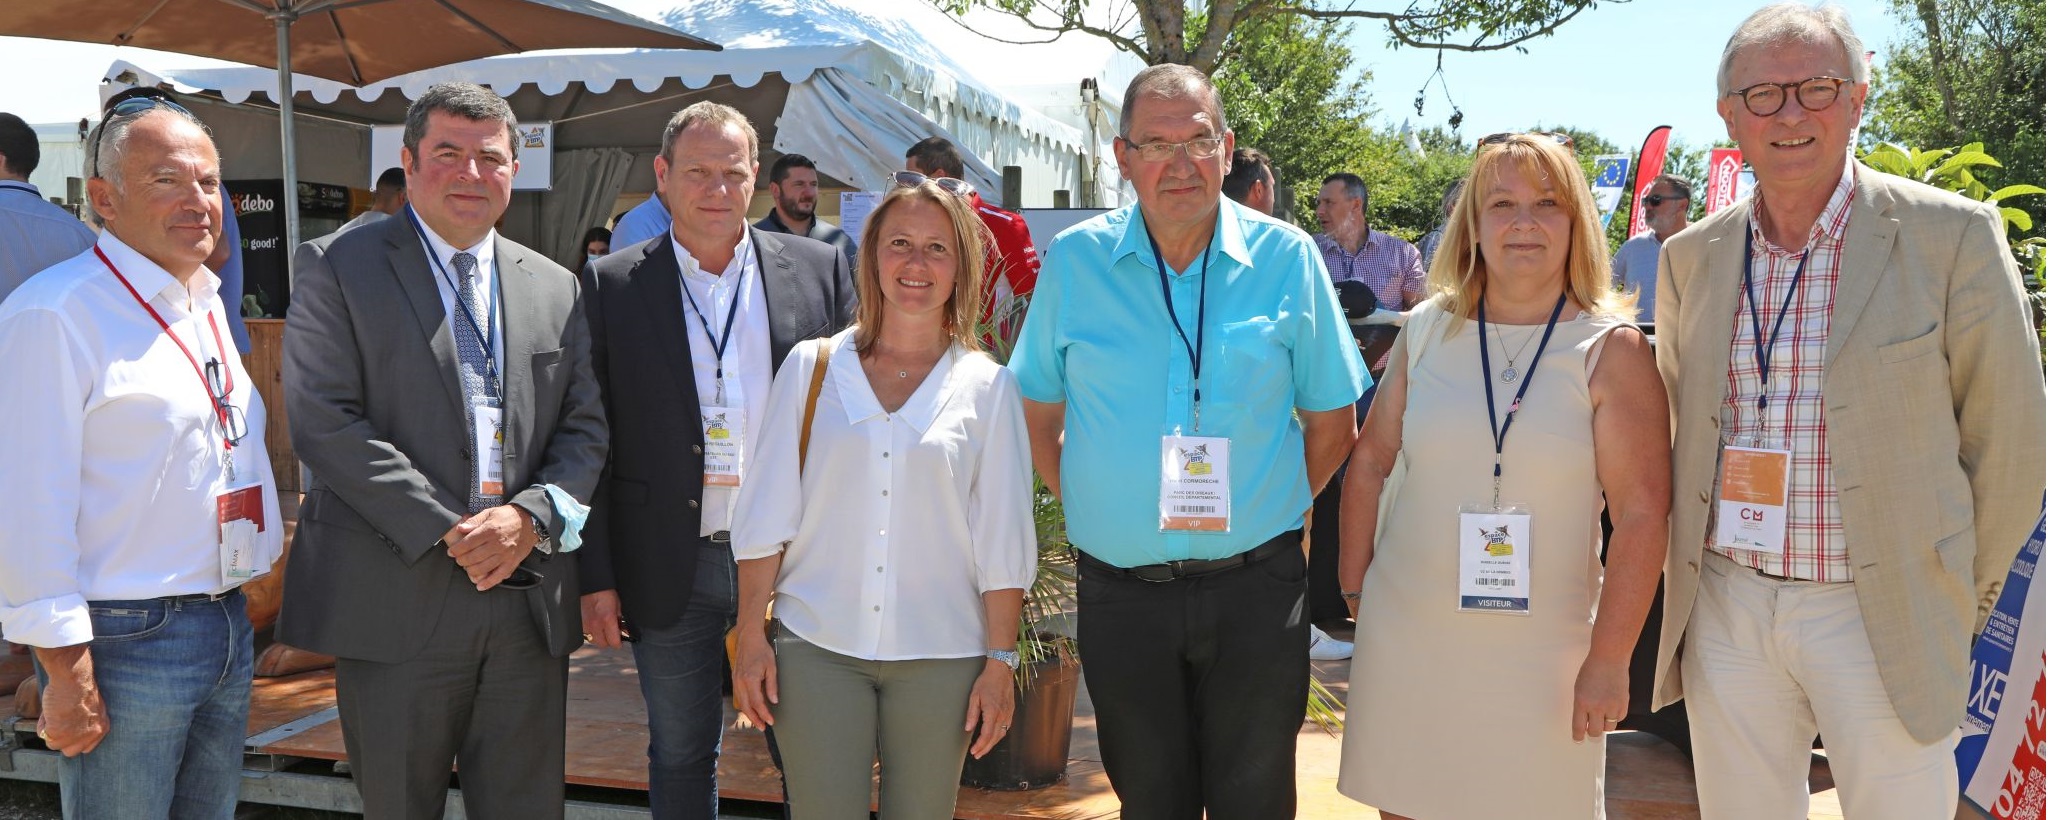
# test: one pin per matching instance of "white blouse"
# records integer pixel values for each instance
(863, 575)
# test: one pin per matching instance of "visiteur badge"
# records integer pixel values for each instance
(1493, 559)
(1194, 484)
(1751, 510)
(725, 437)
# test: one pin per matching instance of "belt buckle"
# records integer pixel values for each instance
(1176, 570)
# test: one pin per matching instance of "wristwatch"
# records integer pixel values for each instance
(543, 542)
(1009, 657)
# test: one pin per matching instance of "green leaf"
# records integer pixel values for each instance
(2016, 190)
(2016, 218)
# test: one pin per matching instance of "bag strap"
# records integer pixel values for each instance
(803, 442)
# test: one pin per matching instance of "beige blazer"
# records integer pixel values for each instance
(1935, 418)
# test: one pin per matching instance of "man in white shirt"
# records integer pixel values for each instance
(1665, 204)
(34, 234)
(687, 331)
(138, 496)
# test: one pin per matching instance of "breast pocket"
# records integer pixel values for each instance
(1255, 361)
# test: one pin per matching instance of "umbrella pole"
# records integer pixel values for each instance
(283, 19)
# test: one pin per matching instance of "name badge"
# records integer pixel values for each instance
(1194, 484)
(725, 438)
(1493, 559)
(1751, 510)
(490, 450)
(239, 512)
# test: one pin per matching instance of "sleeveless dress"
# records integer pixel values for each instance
(1461, 714)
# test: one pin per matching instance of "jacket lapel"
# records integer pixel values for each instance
(788, 322)
(516, 293)
(1867, 244)
(408, 257)
(658, 278)
(1720, 295)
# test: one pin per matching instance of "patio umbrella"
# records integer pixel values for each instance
(350, 41)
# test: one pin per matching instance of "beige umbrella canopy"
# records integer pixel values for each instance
(350, 41)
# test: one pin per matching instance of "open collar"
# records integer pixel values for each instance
(857, 397)
(1227, 241)
(151, 280)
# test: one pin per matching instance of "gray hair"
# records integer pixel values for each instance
(1170, 81)
(1783, 23)
(708, 114)
(107, 146)
(466, 100)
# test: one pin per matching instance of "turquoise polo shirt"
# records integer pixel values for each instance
(1099, 339)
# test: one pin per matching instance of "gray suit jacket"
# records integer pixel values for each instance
(1935, 416)
(376, 413)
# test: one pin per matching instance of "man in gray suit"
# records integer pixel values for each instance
(690, 326)
(439, 386)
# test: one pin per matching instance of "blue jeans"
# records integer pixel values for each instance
(682, 667)
(175, 681)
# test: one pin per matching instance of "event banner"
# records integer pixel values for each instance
(1724, 176)
(2000, 754)
(1610, 178)
(1649, 163)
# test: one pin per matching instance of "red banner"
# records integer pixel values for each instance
(1649, 164)
(1724, 175)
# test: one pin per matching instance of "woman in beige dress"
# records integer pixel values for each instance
(1484, 680)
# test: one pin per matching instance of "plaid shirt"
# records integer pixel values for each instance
(1796, 417)
(1388, 265)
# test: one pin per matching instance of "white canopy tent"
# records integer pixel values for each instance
(849, 83)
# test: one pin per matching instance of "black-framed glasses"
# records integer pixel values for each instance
(1654, 200)
(127, 107)
(952, 185)
(1200, 148)
(1558, 137)
(217, 389)
(1815, 94)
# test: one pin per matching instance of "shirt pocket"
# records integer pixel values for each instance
(1255, 363)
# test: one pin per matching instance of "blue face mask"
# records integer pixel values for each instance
(591, 257)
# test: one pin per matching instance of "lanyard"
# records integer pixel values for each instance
(483, 338)
(220, 410)
(720, 340)
(1201, 312)
(20, 190)
(1500, 435)
(1761, 346)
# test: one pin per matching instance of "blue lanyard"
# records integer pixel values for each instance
(1201, 313)
(483, 338)
(1762, 347)
(1500, 432)
(724, 336)
(21, 190)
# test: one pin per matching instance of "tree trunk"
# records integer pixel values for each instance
(1938, 59)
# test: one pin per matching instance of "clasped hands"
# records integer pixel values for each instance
(489, 545)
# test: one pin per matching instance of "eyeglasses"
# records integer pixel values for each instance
(952, 185)
(216, 386)
(1653, 200)
(1815, 94)
(1558, 137)
(1198, 149)
(128, 107)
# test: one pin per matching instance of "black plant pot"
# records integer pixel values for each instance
(1034, 754)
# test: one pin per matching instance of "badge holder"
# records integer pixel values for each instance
(490, 449)
(725, 437)
(1750, 513)
(1493, 558)
(1194, 483)
(238, 511)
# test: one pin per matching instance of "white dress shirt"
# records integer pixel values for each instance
(34, 234)
(749, 368)
(442, 262)
(112, 447)
(901, 520)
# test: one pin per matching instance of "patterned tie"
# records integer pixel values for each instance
(477, 384)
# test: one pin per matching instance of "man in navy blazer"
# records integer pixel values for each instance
(687, 331)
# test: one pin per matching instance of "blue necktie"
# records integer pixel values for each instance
(478, 387)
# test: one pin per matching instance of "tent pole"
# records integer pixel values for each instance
(283, 18)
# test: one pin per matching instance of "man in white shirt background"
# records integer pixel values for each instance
(34, 234)
(139, 497)
(1635, 264)
(389, 199)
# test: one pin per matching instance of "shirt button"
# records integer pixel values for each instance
(885, 454)
(878, 609)
(881, 532)
(885, 493)
(878, 569)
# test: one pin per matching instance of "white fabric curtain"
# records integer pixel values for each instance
(859, 134)
(587, 182)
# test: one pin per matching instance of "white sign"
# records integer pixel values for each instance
(536, 154)
(854, 207)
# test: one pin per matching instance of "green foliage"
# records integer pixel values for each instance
(1407, 189)
(1950, 169)
(1285, 93)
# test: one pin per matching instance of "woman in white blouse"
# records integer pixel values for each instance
(898, 547)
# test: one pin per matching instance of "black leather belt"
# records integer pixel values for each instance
(201, 597)
(721, 539)
(1195, 568)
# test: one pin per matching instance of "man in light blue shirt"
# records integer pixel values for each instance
(645, 221)
(34, 234)
(1189, 317)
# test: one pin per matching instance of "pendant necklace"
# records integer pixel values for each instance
(1509, 375)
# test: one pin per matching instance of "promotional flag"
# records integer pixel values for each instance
(1610, 178)
(1649, 163)
(1999, 756)
(1724, 176)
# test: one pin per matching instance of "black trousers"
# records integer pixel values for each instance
(1325, 600)
(1199, 687)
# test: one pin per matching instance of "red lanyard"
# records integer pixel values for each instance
(220, 411)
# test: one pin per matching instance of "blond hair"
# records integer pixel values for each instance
(971, 244)
(1459, 271)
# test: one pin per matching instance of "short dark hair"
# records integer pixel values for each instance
(18, 143)
(1354, 187)
(1683, 185)
(466, 100)
(780, 170)
(940, 155)
(597, 234)
(1248, 167)
(393, 178)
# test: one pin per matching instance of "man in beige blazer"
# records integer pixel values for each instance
(1875, 328)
